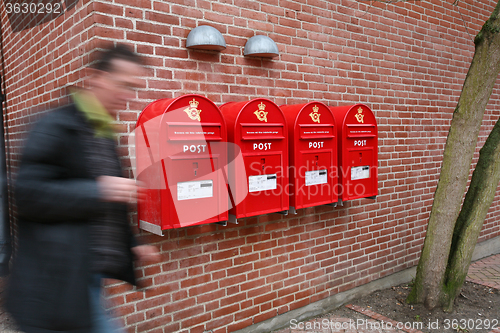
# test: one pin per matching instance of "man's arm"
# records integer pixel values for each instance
(44, 190)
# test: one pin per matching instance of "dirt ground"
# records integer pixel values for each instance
(477, 309)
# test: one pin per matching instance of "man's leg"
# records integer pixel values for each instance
(101, 321)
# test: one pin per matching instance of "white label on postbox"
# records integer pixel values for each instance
(361, 172)
(262, 183)
(359, 143)
(195, 190)
(262, 146)
(314, 144)
(194, 148)
(316, 177)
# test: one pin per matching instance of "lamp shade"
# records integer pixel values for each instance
(205, 37)
(261, 46)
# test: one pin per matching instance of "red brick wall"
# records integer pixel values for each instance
(40, 61)
(406, 61)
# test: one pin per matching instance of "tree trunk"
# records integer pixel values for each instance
(429, 286)
(470, 221)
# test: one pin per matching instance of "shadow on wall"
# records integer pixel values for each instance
(26, 15)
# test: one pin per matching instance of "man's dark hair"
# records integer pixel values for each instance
(118, 52)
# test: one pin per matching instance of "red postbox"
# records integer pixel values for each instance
(313, 155)
(258, 181)
(181, 156)
(358, 151)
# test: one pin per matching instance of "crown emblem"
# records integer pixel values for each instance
(194, 103)
(192, 110)
(315, 115)
(260, 113)
(359, 116)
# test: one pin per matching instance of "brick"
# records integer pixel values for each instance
(150, 324)
(264, 316)
(161, 18)
(239, 325)
(152, 302)
(153, 28)
(226, 310)
(186, 313)
(252, 284)
(107, 8)
(259, 291)
(191, 322)
(234, 280)
(195, 281)
(143, 37)
(135, 318)
(160, 290)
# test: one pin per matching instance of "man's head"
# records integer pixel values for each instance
(114, 77)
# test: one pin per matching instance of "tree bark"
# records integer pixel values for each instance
(429, 286)
(478, 200)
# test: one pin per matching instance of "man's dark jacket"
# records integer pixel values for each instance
(57, 199)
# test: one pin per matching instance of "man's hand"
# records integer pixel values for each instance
(146, 253)
(117, 189)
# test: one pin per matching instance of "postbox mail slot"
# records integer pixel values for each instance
(359, 157)
(188, 132)
(195, 167)
(361, 136)
(263, 131)
(366, 131)
(308, 131)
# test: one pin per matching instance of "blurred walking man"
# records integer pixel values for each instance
(72, 201)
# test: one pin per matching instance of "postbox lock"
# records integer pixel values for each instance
(195, 167)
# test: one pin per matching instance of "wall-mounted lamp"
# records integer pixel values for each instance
(205, 37)
(261, 46)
